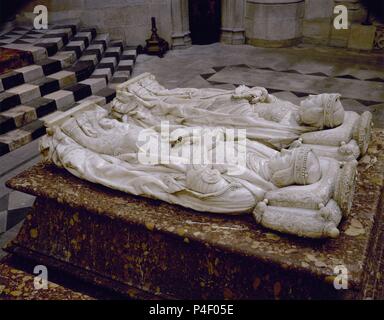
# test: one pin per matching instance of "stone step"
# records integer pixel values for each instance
(15, 56)
(57, 79)
(79, 72)
(41, 106)
(124, 68)
(26, 123)
(30, 73)
(117, 65)
(41, 43)
(108, 58)
(65, 58)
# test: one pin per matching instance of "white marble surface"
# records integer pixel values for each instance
(107, 149)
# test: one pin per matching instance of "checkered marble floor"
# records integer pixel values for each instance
(73, 65)
(289, 74)
(70, 65)
(301, 85)
(13, 208)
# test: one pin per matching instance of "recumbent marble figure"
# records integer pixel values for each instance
(347, 136)
(300, 161)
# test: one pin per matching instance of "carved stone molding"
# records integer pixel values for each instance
(232, 21)
(180, 24)
(379, 37)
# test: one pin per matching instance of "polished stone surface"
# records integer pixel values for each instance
(17, 283)
(191, 67)
(214, 243)
(292, 72)
(306, 84)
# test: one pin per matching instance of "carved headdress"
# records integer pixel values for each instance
(298, 166)
(323, 110)
(302, 161)
(333, 111)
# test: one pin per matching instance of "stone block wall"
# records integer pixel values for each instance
(267, 23)
(129, 20)
(318, 25)
(274, 23)
(317, 21)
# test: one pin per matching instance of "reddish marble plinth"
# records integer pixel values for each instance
(147, 248)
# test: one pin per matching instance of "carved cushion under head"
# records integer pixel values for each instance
(336, 182)
(308, 196)
(312, 211)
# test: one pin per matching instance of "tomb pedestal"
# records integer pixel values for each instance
(147, 248)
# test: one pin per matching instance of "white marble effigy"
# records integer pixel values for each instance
(292, 167)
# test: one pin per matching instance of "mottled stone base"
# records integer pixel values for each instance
(17, 284)
(124, 242)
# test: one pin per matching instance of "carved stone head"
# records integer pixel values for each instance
(298, 166)
(323, 110)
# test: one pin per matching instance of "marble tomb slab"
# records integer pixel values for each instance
(121, 241)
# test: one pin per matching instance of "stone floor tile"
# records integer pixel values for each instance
(19, 200)
(348, 88)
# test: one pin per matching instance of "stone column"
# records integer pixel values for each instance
(274, 23)
(318, 21)
(180, 24)
(232, 21)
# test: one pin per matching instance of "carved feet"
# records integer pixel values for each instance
(344, 143)
(312, 211)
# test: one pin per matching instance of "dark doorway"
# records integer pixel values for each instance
(205, 21)
(8, 9)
